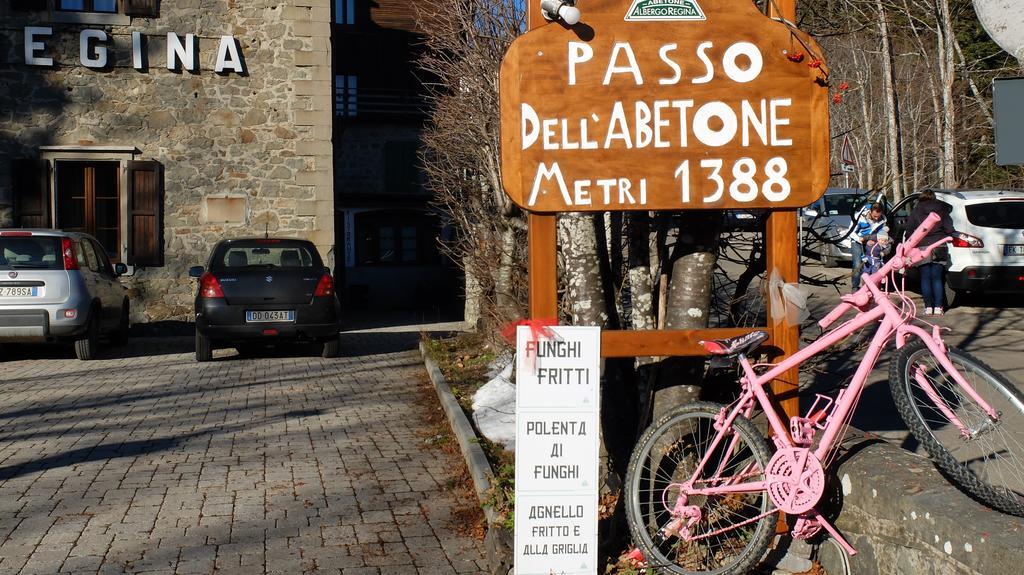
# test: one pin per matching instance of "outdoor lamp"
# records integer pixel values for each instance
(564, 10)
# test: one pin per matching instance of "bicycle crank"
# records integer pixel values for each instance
(795, 480)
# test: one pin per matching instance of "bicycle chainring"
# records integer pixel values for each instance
(795, 480)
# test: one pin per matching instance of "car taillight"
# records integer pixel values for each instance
(325, 287)
(67, 249)
(967, 241)
(209, 287)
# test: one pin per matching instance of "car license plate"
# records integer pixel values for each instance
(269, 316)
(1013, 250)
(19, 292)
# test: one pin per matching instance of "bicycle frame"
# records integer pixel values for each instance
(874, 306)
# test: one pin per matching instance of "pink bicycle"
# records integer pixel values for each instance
(703, 486)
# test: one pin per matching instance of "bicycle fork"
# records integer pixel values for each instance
(938, 350)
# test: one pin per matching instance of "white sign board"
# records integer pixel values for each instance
(558, 376)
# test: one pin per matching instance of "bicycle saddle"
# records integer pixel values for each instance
(735, 345)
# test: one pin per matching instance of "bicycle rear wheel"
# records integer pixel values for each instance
(988, 463)
(731, 535)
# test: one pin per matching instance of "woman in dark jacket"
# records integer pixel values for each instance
(933, 273)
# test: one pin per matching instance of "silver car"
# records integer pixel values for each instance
(827, 223)
(60, 287)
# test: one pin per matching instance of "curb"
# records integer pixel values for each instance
(479, 468)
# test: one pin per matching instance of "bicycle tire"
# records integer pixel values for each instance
(996, 481)
(737, 551)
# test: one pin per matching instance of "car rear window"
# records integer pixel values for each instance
(30, 253)
(843, 204)
(1003, 215)
(265, 254)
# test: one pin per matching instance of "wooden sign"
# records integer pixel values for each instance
(664, 105)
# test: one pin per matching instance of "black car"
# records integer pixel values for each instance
(263, 291)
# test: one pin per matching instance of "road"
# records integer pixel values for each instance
(147, 462)
(990, 328)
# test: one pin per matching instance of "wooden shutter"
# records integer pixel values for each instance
(30, 189)
(142, 8)
(28, 5)
(145, 214)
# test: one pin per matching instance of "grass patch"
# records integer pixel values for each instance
(465, 361)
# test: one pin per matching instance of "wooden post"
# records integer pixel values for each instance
(784, 256)
(543, 269)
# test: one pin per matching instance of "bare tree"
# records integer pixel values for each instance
(465, 43)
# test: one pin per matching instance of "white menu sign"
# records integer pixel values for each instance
(558, 375)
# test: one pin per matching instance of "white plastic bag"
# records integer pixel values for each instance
(787, 301)
(494, 406)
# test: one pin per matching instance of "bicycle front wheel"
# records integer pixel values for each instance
(986, 457)
(734, 529)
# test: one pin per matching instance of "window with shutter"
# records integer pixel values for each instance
(30, 187)
(142, 8)
(88, 200)
(145, 214)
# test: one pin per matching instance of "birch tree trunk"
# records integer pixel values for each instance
(577, 238)
(474, 294)
(894, 136)
(947, 78)
(866, 176)
(692, 264)
(642, 312)
(504, 293)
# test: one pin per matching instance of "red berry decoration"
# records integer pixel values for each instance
(837, 99)
(796, 57)
(815, 63)
(844, 86)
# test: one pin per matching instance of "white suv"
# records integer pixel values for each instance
(987, 253)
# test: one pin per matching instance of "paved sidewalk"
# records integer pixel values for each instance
(152, 463)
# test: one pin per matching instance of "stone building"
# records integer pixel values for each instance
(162, 127)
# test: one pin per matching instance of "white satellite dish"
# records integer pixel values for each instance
(1004, 22)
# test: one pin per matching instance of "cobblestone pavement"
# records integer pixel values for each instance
(148, 462)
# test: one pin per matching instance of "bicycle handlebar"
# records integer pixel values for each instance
(907, 255)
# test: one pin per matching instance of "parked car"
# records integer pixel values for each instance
(260, 291)
(59, 287)
(743, 220)
(827, 223)
(987, 253)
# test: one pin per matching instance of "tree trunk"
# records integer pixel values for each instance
(472, 308)
(947, 77)
(894, 135)
(866, 176)
(504, 290)
(584, 293)
(689, 296)
(641, 290)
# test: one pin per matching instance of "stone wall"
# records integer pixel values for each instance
(902, 516)
(264, 135)
(360, 157)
